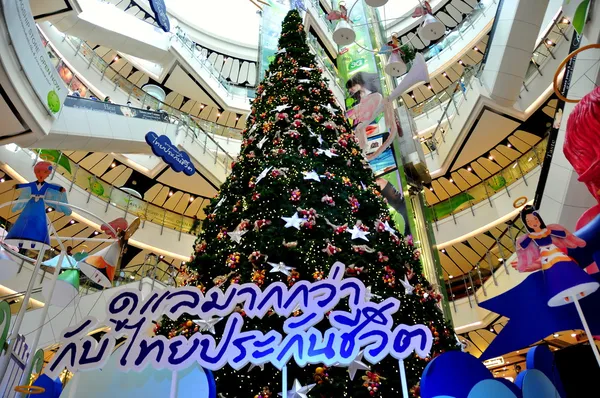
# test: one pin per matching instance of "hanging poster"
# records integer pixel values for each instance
(160, 13)
(163, 148)
(32, 55)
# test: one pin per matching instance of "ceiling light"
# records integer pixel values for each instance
(450, 276)
(530, 159)
(201, 106)
(170, 193)
(443, 250)
(518, 352)
(429, 87)
(237, 118)
(509, 145)
(2, 180)
(49, 209)
(451, 180)
(412, 96)
(96, 232)
(445, 74)
(565, 20)
(431, 188)
(469, 169)
(72, 222)
(573, 334)
(549, 42)
(218, 114)
(515, 165)
(491, 329)
(113, 165)
(191, 199)
(556, 335)
(461, 62)
(500, 259)
(116, 58)
(476, 48)
(161, 257)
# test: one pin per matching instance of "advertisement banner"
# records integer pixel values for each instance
(357, 67)
(34, 60)
(272, 17)
(121, 110)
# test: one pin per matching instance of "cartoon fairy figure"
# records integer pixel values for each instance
(545, 247)
(30, 231)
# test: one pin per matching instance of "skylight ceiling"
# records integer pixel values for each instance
(234, 20)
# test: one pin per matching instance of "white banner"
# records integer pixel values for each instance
(32, 55)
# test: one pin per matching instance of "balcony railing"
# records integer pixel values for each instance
(496, 257)
(134, 92)
(490, 186)
(116, 197)
(232, 90)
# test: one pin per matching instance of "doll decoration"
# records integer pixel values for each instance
(102, 266)
(544, 247)
(30, 231)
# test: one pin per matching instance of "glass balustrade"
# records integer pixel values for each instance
(232, 91)
(491, 185)
(134, 92)
(116, 197)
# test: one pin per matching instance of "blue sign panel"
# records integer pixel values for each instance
(160, 13)
(163, 148)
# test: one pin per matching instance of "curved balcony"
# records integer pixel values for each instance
(153, 232)
(130, 91)
(486, 189)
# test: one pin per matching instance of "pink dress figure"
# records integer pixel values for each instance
(543, 248)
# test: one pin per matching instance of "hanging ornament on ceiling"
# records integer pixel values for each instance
(376, 3)
(431, 29)
(343, 34)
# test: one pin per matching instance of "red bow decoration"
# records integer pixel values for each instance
(422, 10)
(341, 14)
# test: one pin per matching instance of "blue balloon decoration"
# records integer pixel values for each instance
(541, 358)
(453, 374)
(491, 389)
(537, 385)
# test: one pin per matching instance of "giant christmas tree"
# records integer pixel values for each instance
(301, 197)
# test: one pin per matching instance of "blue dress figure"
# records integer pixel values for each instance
(30, 231)
(546, 247)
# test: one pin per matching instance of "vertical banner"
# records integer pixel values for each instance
(358, 68)
(32, 55)
(272, 17)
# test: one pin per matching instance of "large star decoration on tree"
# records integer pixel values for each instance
(311, 175)
(293, 221)
(207, 325)
(280, 108)
(357, 364)
(280, 267)
(358, 233)
(298, 390)
(263, 174)
(236, 235)
(408, 289)
(327, 152)
(262, 142)
(219, 203)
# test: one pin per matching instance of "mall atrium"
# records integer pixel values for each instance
(299, 198)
